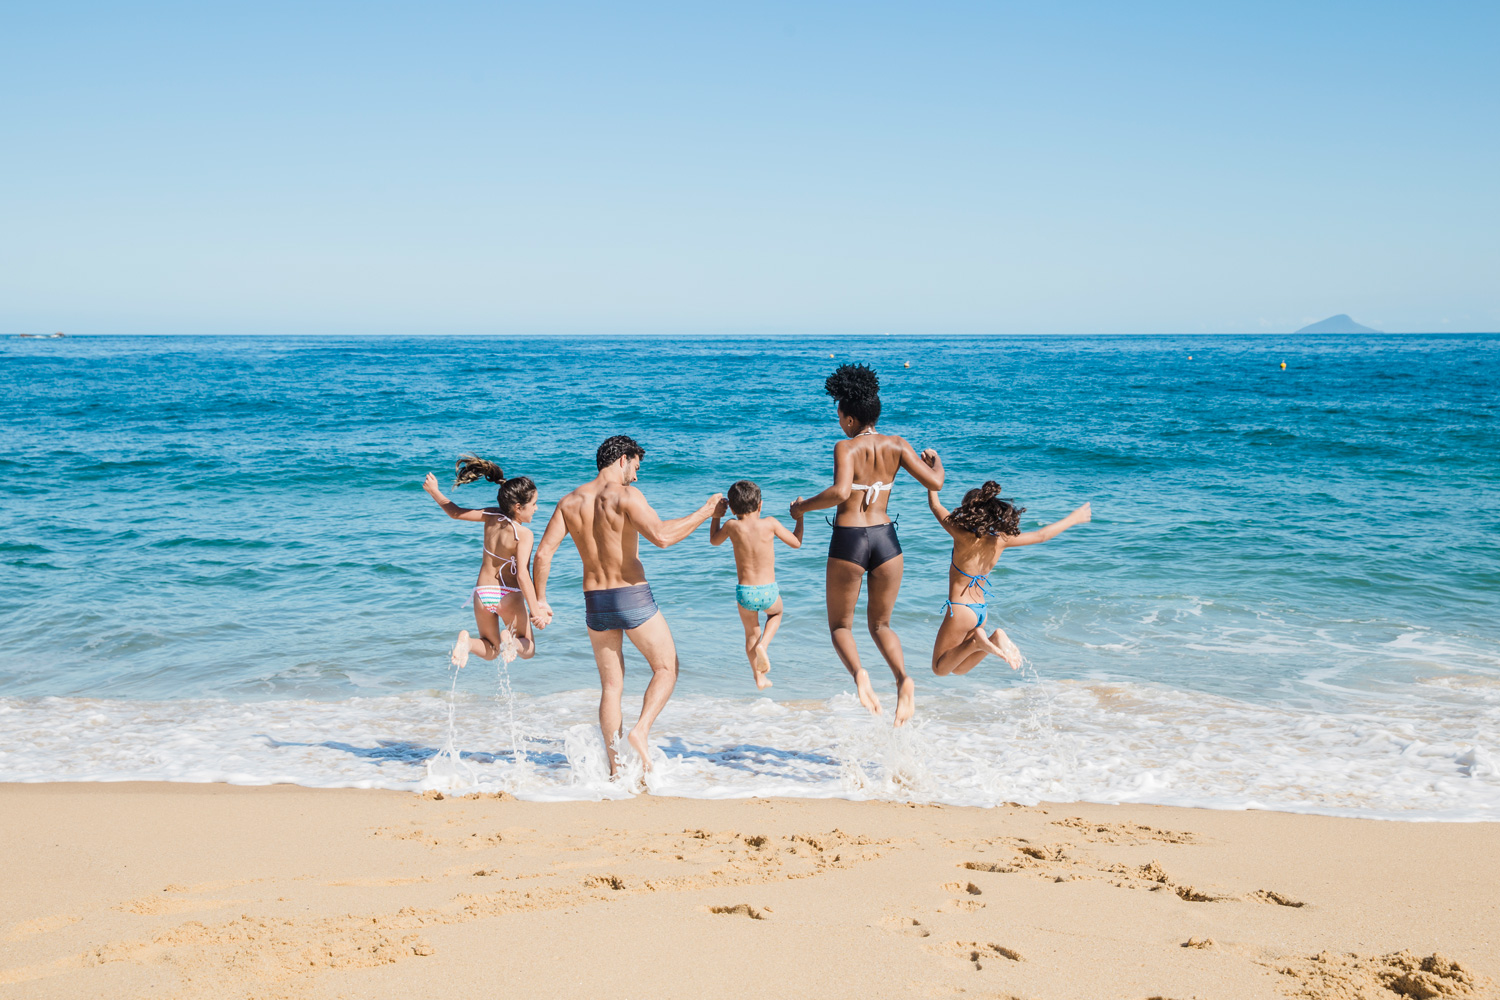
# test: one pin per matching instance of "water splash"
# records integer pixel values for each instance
(447, 770)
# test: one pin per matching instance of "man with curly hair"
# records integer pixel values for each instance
(606, 519)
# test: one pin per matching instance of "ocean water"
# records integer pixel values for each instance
(217, 563)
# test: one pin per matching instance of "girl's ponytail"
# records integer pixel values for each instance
(472, 468)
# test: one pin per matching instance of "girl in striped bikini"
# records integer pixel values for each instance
(503, 591)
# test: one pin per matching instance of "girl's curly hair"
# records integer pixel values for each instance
(983, 512)
(512, 493)
(857, 388)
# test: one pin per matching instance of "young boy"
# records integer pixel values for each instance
(754, 540)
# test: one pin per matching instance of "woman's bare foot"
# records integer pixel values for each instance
(637, 743)
(761, 664)
(460, 655)
(906, 700)
(867, 696)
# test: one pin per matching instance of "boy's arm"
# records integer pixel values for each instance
(1080, 516)
(523, 578)
(453, 510)
(792, 538)
(843, 485)
(717, 533)
(664, 533)
(557, 530)
(926, 468)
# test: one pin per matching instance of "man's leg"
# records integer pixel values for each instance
(610, 658)
(654, 640)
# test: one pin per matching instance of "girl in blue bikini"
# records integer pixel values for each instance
(983, 527)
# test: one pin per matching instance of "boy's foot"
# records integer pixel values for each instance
(1008, 651)
(867, 696)
(906, 700)
(638, 744)
(460, 654)
(761, 664)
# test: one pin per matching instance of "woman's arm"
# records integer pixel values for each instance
(453, 510)
(1080, 516)
(843, 485)
(717, 533)
(926, 468)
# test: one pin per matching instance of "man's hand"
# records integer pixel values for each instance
(541, 615)
(1084, 514)
(714, 501)
(720, 509)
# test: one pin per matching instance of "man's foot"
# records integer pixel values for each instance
(906, 700)
(1008, 651)
(761, 664)
(460, 655)
(638, 743)
(867, 696)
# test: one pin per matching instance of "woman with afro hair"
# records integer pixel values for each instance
(864, 540)
(983, 527)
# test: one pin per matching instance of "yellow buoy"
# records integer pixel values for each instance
(908, 364)
(830, 355)
(1190, 357)
(1283, 366)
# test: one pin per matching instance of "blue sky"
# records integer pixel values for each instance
(860, 168)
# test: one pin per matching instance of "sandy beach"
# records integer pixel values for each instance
(179, 890)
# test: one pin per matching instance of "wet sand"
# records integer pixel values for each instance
(175, 890)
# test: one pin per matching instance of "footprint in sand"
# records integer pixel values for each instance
(742, 910)
(977, 953)
(965, 887)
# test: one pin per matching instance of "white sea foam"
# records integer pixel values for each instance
(1435, 758)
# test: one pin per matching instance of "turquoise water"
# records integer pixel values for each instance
(204, 539)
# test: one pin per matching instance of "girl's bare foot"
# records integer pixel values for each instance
(460, 654)
(638, 743)
(761, 664)
(906, 700)
(1008, 651)
(508, 646)
(867, 696)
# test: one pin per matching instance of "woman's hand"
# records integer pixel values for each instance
(930, 456)
(796, 509)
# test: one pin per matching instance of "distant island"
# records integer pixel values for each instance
(1338, 324)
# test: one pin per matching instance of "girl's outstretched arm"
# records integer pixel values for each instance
(1080, 516)
(523, 578)
(935, 504)
(453, 510)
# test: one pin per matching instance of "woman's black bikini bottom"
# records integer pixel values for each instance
(865, 546)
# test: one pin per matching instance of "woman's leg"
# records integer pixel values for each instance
(885, 584)
(844, 581)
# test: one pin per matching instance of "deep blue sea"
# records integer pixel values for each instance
(217, 563)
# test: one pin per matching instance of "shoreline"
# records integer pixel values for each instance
(137, 889)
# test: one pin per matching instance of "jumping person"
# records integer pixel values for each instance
(983, 527)
(754, 539)
(606, 518)
(864, 539)
(503, 591)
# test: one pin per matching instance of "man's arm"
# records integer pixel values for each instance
(664, 533)
(1082, 515)
(557, 530)
(717, 533)
(843, 484)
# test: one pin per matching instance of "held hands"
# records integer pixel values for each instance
(541, 615)
(714, 502)
(797, 514)
(720, 509)
(930, 456)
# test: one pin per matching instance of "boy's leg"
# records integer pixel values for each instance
(751, 621)
(609, 657)
(654, 639)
